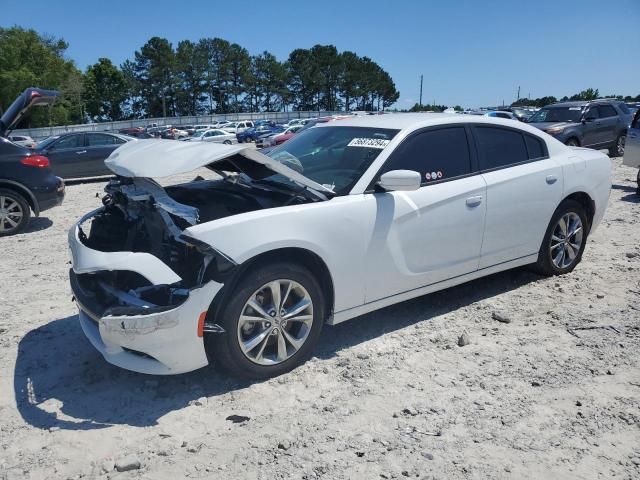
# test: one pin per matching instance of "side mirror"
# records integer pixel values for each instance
(400, 180)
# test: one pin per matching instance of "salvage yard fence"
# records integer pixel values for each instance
(278, 117)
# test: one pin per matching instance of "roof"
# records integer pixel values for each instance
(412, 121)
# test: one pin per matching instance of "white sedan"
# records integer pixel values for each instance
(341, 220)
(213, 136)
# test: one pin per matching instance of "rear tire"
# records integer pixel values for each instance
(266, 344)
(564, 240)
(14, 212)
(617, 150)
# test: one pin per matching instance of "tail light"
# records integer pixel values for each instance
(39, 161)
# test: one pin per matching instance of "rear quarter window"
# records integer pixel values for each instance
(535, 147)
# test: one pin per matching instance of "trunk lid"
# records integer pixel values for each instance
(29, 98)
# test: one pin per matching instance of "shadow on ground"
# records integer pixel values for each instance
(38, 224)
(61, 381)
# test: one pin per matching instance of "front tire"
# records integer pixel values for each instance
(572, 142)
(227, 142)
(618, 148)
(272, 322)
(14, 212)
(564, 240)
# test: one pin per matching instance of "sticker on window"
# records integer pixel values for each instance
(369, 143)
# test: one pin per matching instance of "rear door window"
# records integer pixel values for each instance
(500, 147)
(435, 154)
(535, 147)
(100, 140)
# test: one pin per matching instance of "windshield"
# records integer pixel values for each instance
(335, 157)
(557, 114)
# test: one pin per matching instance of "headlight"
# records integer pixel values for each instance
(554, 130)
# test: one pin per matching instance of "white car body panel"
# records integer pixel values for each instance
(380, 248)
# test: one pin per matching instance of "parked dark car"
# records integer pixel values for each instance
(252, 134)
(596, 124)
(81, 154)
(26, 181)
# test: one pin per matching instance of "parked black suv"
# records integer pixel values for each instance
(596, 124)
(26, 181)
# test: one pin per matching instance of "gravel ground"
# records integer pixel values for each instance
(552, 391)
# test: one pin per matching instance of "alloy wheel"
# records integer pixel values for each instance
(566, 240)
(10, 214)
(275, 322)
(622, 139)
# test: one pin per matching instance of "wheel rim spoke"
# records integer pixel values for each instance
(566, 240)
(275, 322)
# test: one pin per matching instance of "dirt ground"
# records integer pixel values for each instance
(553, 393)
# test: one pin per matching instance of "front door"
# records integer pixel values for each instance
(425, 236)
(66, 156)
(591, 133)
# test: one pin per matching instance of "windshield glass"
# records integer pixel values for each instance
(557, 114)
(335, 157)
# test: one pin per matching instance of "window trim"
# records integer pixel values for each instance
(473, 160)
(545, 148)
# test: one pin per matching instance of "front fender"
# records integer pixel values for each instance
(333, 230)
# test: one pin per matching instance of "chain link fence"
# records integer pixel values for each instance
(278, 117)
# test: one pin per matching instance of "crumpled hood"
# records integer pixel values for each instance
(162, 158)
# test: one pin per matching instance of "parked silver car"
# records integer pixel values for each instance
(212, 135)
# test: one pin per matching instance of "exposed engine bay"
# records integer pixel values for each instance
(139, 215)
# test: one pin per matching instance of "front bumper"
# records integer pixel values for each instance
(146, 338)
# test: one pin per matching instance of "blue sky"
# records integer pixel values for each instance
(471, 53)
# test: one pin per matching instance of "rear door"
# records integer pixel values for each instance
(524, 187)
(67, 155)
(99, 147)
(632, 146)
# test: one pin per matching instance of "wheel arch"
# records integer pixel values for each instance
(24, 191)
(298, 255)
(586, 201)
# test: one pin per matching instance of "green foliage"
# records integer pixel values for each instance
(28, 59)
(207, 76)
(105, 91)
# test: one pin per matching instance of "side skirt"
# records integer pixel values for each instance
(350, 313)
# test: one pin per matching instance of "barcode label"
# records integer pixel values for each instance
(369, 143)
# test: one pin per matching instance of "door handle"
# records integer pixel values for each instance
(80, 152)
(551, 179)
(474, 201)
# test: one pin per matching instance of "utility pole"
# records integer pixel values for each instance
(420, 90)
(518, 92)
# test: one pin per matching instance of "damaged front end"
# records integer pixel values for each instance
(142, 287)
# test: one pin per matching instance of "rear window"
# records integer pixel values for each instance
(500, 147)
